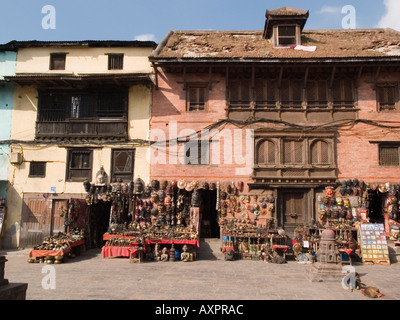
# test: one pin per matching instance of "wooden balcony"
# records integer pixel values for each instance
(83, 128)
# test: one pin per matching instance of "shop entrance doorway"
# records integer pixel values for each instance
(209, 227)
(99, 216)
(376, 206)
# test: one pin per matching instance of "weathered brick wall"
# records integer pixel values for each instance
(358, 156)
(169, 115)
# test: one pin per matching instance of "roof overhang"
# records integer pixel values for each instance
(74, 80)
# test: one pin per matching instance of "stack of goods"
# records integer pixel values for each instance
(343, 207)
(120, 242)
(235, 204)
(247, 238)
(158, 210)
(53, 248)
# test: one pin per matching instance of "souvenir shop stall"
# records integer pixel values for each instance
(150, 222)
(363, 217)
(248, 228)
(54, 249)
(57, 247)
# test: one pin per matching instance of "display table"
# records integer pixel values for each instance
(173, 241)
(112, 252)
(124, 251)
(44, 253)
(61, 252)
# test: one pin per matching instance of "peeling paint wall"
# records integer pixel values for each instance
(82, 60)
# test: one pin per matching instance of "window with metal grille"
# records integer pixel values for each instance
(115, 61)
(79, 164)
(196, 98)
(320, 153)
(389, 155)
(293, 152)
(197, 152)
(122, 166)
(387, 97)
(57, 61)
(266, 153)
(287, 35)
(37, 169)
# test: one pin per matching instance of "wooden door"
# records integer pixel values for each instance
(35, 222)
(58, 214)
(294, 207)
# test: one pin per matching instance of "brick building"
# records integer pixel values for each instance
(284, 111)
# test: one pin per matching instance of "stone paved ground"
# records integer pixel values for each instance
(91, 277)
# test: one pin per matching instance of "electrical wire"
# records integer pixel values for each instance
(345, 125)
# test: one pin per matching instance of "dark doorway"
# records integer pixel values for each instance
(375, 207)
(209, 227)
(99, 217)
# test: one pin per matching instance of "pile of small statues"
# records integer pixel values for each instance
(60, 240)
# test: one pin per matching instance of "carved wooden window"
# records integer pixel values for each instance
(105, 103)
(57, 61)
(320, 152)
(115, 61)
(387, 97)
(291, 93)
(196, 97)
(122, 164)
(389, 155)
(293, 152)
(240, 92)
(37, 169)
(112, 103)
(317, 93)
(343, 93)
(79, 164)
(266, 152)
(265, 92)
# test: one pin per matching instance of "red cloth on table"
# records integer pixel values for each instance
(280, 247)
(227, 248)
(43, 253)
(108, 252)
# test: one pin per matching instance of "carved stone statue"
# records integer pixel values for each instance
(156, 252)
(185, 255)
(164, 255)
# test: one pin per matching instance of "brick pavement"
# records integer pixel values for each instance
(91, 277)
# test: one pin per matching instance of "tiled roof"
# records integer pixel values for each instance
(340, 43)
(286, 11)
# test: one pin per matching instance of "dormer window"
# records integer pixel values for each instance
(286, 35)
(284, 25)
